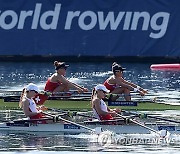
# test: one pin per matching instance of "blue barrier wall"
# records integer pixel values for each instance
(90, 28)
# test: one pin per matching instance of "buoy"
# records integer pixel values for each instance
(165, 67)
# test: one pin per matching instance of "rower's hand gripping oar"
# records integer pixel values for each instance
(162, 133)
(97, 130)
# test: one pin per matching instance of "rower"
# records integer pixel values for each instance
(100, 109)
(27, 103)
(58, 83)
(118, 85)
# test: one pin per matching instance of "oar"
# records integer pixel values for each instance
(97, 130)
(63, 93)
(57, 110)
(73, 113)
(47, 93)
(161, 133)
(153, 117)
(132, 94)
(83, 115)
(160, 118)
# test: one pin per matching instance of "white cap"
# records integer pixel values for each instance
(32, 86)
(102, 87)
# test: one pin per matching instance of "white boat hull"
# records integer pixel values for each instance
(70, 128)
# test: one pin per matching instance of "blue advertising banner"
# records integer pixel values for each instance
(90, 28)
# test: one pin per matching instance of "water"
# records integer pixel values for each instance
(85, 143)
(164, 85)
(14, 76)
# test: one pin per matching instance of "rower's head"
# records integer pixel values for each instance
(100, 90)
(60, 67)
(32, 89)
(117, 69)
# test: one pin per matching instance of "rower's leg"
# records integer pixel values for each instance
(61, 88)
(127, 94)
(121, 90)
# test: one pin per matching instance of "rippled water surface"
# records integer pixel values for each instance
(43, 143)
(14, 76)
(38, 142)
(162, 84)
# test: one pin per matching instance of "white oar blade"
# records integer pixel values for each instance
(98, 130)
(164, 133)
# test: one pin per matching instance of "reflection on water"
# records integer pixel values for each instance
(105, 142)
(86, 143)
(162, 84)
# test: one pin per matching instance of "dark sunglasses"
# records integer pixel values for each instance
(103, 91)
(65, 68)
(35, 91)
(119, 71)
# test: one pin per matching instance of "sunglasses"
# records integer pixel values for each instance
(103, 91)
(119, 71)
(35, 91)
(65, 68)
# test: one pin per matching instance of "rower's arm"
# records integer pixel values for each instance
(26, 109)
(70, 84)
(135, 86)
(98, 108)
(124, 83)
(82, 88)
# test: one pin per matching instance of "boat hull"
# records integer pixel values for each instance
(70, 128)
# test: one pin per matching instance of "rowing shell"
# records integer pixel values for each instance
(71, 128)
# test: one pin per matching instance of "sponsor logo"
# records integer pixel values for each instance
(71, 126)
(156, 23)
(168, 128)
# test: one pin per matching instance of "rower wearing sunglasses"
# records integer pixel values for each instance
(100, 109)
(28, 104)
(118, 85)
(58, 82)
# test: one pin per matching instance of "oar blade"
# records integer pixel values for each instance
(164, 133)
(98, 130)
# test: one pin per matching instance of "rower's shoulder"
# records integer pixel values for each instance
(96, 100)
(55, 77)
(111, 77)
(25, 101)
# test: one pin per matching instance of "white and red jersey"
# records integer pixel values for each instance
(39, 99)
(33, 108)
(104, 108)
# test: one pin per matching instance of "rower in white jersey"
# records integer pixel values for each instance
(100, 109)
(28, 104)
